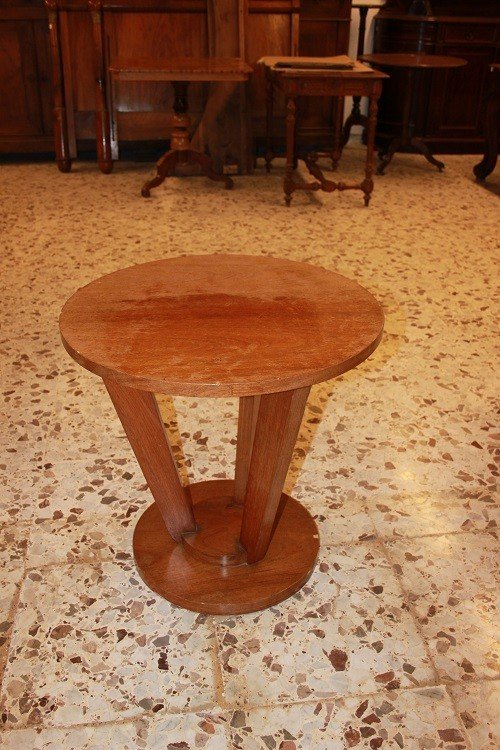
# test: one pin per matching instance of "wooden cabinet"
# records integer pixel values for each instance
(450, 117)
(71, 42)
(25, 91)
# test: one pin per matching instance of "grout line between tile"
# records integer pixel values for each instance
(415, 618)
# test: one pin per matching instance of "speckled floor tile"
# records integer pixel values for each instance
(401, 452)
(73, 539)
(201, 731)
(414, 515)
(113, 737)
(451, 582)
(479, 709)
(341, 516)
(95, 485)
(411, 719)
(91, 643)
(354, 635)
(13, 542)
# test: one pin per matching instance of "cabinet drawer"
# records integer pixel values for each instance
(469, 32)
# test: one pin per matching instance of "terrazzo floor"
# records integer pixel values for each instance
(393, 641)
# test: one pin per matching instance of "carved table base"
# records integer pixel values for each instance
(181, 152)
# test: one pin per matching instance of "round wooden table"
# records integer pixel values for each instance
(258, 328)
(414, 64)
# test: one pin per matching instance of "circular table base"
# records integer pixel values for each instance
(207, 573)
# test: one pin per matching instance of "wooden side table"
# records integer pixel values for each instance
(294, 82)
(414, 64)
(180, 72)
(259, 328)
(491, 126)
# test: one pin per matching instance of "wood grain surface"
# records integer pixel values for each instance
(189, 574)
(221, 325)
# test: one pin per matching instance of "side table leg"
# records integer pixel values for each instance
(386, 156)
(367, 184)
(164, 166)
(278, 423)
(488, 163)
(247, 420)
(206, 164)
(424, 149)
(269, 122)
(142, 422)
(288, 184)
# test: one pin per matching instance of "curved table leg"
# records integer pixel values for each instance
(164, 167)
(385, 157)
(488, 163)
(424, 149)
(205, 162)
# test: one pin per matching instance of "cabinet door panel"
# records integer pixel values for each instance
(456, 95)
(21, 112)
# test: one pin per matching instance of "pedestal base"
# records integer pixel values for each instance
(207, 572)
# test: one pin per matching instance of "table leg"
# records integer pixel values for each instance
(337, 144)
(102, 118)
(367, 184)
(420, 145)
(269, 122)
(60, 122)
(278, 423)
(202, 565)
(288, 182)
(142, 422)
(247, 420)
(356, 118)
(207, 168)
(488, 163)
(404, 139)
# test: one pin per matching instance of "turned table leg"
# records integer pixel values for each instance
(367, 184)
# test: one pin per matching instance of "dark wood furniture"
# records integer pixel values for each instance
(356, 117)
(25, 89)
(88, 34)
(450, 116)
(295, 82)
(414, 66)
(491, 126)
(180, 72)
(258, 328)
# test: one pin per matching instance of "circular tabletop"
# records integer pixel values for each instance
(408, 60)
(221, 325)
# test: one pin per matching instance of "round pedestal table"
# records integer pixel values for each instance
(415, 65)
(258, 328)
